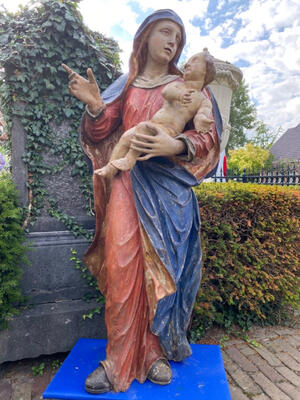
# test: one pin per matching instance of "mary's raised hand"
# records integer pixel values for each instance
(86, 90)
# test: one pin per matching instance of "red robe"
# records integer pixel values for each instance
(128, 271)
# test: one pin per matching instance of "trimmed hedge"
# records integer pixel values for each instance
(12, 250)
(251, 257)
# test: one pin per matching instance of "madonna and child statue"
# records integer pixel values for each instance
(151, 136)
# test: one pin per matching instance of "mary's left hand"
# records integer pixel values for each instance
(157, 143)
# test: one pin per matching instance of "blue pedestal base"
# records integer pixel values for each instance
(201, 376)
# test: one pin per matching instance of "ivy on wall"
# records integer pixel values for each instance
(34, 88)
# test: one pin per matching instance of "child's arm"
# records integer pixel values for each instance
(172, 91)
(202, 120)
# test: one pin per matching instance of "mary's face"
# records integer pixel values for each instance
(163, 41)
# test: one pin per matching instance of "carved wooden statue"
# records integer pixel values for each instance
(182, 102)
(146, 252)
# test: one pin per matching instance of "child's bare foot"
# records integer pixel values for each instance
(123, 164)
(108, 171)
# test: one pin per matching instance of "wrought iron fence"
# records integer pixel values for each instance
(284, 175)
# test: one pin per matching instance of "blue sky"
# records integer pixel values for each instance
(261, 37)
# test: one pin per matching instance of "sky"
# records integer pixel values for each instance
(261, 37)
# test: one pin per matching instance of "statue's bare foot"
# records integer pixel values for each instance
(108, 171)
(123, 164)
(97, 381)
(160, 372)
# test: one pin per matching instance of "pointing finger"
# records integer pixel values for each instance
(91, 75)
(66, 68)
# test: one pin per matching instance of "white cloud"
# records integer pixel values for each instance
(13, 5)
(273, 75)
(269, 40)
(220, 4)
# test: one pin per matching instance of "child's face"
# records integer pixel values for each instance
(195, 68)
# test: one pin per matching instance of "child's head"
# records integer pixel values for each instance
(200, 67)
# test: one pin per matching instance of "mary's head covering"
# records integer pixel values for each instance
(157, 16)
(139, 53)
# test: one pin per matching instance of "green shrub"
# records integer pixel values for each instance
(12, 250)
(250, 241)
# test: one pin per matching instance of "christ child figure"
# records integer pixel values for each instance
(183, 101)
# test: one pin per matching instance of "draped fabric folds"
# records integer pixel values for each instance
(146, 253)
(168, 210)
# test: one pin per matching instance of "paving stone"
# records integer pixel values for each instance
(20, 374)
(289, 361)
(240, 359)
(245, 382)
(293, 342)
(290, 390)
(237, 394)
(297, 337)
(246, 350)
(39, 384)
(276, 346)
(280, 345)
(230, 380)
(291, 350)
(270, 372)
(231, 367)
(268, 356)
(261, 397)
(289, 375)
(287, 331)
(225, 357)
(262, 333)
(21, 391)
(269, 387)
(232, 342)
(5, 390)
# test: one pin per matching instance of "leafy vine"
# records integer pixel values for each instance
(34, 88)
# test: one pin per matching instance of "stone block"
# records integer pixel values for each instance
(290, 390)
(268, 387)
(237, 394)
(270, 372)
(49, 328)
(19, 169)
(289, 361)
(289, 375)
(240, 359)
(52, 276)
(21, 392)
(268, 356)
(5, 390)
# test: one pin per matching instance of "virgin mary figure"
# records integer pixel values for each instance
(146, 253)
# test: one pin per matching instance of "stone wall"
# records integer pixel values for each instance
(52, 321)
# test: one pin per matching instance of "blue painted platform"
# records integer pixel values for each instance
(201, 376)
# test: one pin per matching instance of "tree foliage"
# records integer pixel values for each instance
(248, 157)
(264, 137)
(242, 117)
(245, 127)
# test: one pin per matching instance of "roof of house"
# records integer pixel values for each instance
(287, 147)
